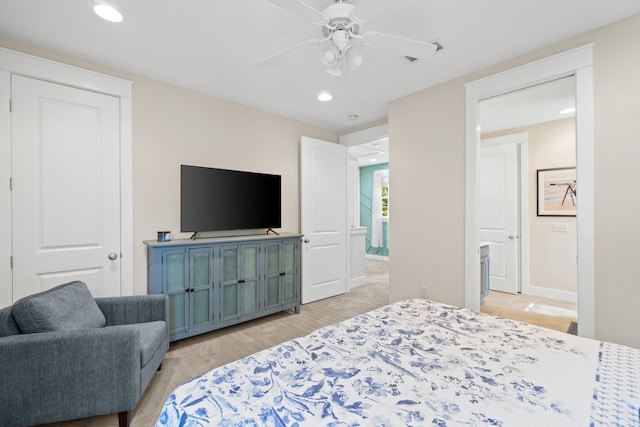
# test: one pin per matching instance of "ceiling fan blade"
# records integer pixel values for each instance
(272, 60)
(301, 9)
(368, 9)
(400, 45)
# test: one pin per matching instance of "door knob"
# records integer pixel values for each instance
(306, 240)
(513, 237)
(113, 256)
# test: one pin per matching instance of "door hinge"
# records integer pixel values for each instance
(11, 261)
(10, 183)
(10, 105)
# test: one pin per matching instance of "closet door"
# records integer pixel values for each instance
(65, 187)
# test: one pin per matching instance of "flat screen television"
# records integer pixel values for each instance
(223, 200)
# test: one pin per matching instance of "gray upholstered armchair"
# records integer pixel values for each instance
(65, 355)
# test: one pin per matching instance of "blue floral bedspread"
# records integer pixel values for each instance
(419, 363)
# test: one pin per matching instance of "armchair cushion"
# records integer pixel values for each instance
(68, 307)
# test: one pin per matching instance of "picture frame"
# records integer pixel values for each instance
(557, 192)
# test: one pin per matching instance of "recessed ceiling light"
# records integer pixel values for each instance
(353, 117)
(325, 96)
(373, 160)
(108, 13)
(568, 110)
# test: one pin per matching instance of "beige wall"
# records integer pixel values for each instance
(552, 255)
(173, 126)
(427, 135)
(426, 173)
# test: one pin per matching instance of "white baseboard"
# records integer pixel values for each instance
(357, 281)
(377, 257)
(551, 293)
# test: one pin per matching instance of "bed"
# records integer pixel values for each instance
(418, 363)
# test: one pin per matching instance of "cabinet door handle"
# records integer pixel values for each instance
(283, 273)
(241, 281)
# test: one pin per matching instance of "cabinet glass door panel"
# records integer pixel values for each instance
(177, 312)
(229, 264)
(200, 307)
(250, 262)
(249, 279)
(229, 301)
(175, 278)
(201, 268)
(289, 288)
(273, 290)
(289, 256)
(273, 259)
(250, 297)
(175, 284)
(273, 267)
(201, 286)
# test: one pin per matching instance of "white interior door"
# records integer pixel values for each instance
(498, 219)
(65, 187)
(323, 199)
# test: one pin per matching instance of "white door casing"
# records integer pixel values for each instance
(6, 273)
(498, 216)
(65, 188)
(323, 168)
(578, 62)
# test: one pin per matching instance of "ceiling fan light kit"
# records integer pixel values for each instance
(342, 24)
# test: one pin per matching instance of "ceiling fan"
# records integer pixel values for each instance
(342, 26)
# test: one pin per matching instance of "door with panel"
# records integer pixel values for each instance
(498, 219)
(65, 187)
(323, 210)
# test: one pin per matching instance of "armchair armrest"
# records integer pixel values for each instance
(96, 369)
(134, 309)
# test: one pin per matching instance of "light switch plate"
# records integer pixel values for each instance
(561, 227)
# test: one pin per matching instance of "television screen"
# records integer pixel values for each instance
(220, 199)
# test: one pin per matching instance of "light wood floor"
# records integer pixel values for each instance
(539, 311)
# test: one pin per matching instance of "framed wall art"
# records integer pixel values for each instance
(557, 192)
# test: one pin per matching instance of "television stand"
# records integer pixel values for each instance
(272, 230)
(217, 282)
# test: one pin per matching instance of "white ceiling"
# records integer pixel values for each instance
(371, 153)
(537, 104)
(211, 46)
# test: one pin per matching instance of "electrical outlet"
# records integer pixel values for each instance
(423, 292)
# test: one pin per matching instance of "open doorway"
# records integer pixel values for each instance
(371, 200)
(369, 209)
(533, 274)
(577, 62)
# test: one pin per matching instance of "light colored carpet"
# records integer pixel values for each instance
(194, 356)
